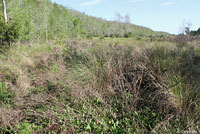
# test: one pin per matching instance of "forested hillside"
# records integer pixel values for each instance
(43, 20)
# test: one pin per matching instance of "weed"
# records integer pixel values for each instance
(25, 128)
(54, 67)
(5, 95)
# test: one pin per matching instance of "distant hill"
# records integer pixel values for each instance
(42, 19)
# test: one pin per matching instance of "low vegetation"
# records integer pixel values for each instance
(100, 86)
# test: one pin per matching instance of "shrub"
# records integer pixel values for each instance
(13, 31)
(195, 33)
(3, 30)
(128, 35)
(10, 32)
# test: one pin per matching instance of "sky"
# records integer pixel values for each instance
(159, 15)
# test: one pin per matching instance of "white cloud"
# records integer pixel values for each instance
(90, 3)
(168, 3)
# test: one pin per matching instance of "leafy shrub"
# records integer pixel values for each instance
(25, 128)
(195, 33)
(3, 29)
(128, 35)
(9, 32)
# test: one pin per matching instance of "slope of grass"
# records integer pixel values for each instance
(100, 86)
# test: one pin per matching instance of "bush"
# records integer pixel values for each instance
(13, 32)
(195, 33)
(128, 35)
(10, 32)
(3, 29)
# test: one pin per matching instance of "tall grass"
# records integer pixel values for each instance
(162, 79)
(87, 88)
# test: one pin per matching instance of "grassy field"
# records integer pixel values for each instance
(100, 86)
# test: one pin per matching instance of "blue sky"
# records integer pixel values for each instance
(159, 15)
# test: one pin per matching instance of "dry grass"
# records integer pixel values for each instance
(80, 86)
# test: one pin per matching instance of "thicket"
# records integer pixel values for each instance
(9, 32)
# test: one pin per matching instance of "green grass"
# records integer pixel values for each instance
(113, 86)
(5, 95)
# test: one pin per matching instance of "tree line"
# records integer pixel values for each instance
(195, 33)
(43, 20)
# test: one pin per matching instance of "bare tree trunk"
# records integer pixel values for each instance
(4, 11)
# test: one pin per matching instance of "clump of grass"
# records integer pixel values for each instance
(128, 81)
(181, 82)
(5, 95)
